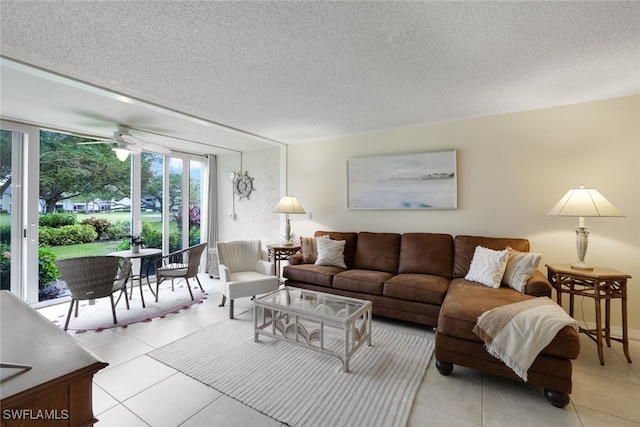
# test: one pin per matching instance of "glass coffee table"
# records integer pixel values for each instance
(330, 324)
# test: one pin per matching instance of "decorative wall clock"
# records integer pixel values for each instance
(243, 185)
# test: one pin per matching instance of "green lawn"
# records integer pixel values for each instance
(99, 248)
(85, 249)
(5, 219)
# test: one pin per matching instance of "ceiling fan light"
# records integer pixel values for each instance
(121, 153)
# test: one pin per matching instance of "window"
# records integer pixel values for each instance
(86, 187)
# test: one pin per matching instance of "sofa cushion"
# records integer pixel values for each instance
(426, 253)
(378, 252)
(465, 246)
(466, 301)
(365, 281)
(417, 287)
(351, 240)
(320, 275)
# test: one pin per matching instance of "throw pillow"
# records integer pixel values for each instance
(520, 268)
(309, 249)
(487, 266)
(330, 252)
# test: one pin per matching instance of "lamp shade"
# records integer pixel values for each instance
(584, 202)
(289, 205)
(121, 153)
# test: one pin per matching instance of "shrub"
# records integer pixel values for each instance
(5, 262)
(47, 270)
(194, 236)
(100, 225)
(67, 235)
(56, 220)
(5, 233)
(150, 237)
(118, 230)
(194, 217)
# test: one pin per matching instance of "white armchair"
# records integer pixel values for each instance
(243, 272)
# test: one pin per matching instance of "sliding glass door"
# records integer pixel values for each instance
(47, 177)
(18, 210)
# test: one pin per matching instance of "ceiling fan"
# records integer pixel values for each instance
(129, 144)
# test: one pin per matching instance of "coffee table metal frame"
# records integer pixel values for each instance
(282, 315)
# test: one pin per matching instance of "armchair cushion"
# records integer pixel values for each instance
(173, 269)
(265, 267)
(242, 271)
(249, 283)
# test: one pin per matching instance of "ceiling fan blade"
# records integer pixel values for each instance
(105, 141)
(155, 148)
(135, 149)
(127, 137)
(148, 146)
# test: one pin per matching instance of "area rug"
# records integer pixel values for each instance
(98, 317)
(300, 387)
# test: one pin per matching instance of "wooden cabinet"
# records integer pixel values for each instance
(56, 391)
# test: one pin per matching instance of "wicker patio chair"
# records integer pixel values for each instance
(95, 277)
(183, 264)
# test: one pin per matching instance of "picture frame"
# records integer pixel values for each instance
(426, 181)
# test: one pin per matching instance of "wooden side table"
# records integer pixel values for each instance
(279, 252)
(600, 284)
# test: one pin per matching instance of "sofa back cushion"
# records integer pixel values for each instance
(465, 246)
(351, 240)
(426, 253)
(378, 251)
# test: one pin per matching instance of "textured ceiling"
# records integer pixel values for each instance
(301, 71)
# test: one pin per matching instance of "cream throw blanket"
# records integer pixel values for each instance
(516, 333)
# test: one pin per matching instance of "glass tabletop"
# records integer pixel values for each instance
(302, 301)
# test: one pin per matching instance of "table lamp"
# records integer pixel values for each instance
(583, 202)
(289, 205)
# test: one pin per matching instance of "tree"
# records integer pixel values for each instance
(69, 170)
(5, 160)
(151, 176)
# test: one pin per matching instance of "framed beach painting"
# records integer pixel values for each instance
(406, 181)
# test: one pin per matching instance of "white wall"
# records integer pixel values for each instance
(512, 169)
(254, 218)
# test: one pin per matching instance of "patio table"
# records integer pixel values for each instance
(147, 255)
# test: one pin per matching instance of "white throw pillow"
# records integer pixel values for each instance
(330, 252)
(487, 266)
(520, 268)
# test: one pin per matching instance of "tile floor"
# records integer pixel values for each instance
(135, 390)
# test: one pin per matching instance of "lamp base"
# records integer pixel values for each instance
(582, 266)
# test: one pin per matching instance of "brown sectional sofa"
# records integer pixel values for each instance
(419, 277)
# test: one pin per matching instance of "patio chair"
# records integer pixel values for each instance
(243, 273)
(94, 277)
(182, 264)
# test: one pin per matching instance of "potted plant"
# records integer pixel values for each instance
(136, 241)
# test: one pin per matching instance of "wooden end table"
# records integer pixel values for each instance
(280, 252)
(600, 284)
